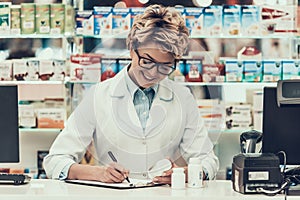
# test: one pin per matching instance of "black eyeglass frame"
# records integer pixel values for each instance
(157, 64)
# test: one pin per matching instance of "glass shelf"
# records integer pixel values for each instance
(36, 36)
(39, 130)
(256, 84)
(274, 36)
(31, 82)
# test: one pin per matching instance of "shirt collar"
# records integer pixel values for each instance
(132, 87)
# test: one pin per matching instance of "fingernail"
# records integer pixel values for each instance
(154, 179)
(164, 174)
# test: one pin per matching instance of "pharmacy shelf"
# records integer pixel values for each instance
(35, 36)
(39, 130)
(256, 84)
(271, 36)
(31, 82)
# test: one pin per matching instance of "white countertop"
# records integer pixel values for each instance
(59, 190)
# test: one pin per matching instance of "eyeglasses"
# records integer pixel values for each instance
(163, 68)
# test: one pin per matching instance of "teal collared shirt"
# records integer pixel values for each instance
(142, 99)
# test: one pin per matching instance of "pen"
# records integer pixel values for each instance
(111, 155)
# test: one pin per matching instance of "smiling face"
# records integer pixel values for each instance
(153, 57)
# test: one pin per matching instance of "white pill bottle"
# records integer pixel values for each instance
(195, 173)
(178, 178)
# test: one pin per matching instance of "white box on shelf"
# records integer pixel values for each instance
(19, 69)
(85, 68)
(27, 117)
(238, 110)
(6, 70)
(51, 117)
(46, 70)
(32, 70)
(59, 69)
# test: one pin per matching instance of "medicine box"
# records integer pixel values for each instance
(212, 20)
(15, 16)
(250, 17)
(290, 69)
(233, 71)
(231, 19)
(102, 20)
(85, 68)
(6, 70)
(27, 118)
(278, 19)
(194, 20)
(109, 68)
(272, 70)
(32, 70)
(121, 21)
(5, 17)
(27, 18)
(237, 110)
(51, 117)
(252, 71)
(57, 18)
(84, 22)
(42, 18)
(19, 69)
(213, 73)
(59, 69)
(46, 70)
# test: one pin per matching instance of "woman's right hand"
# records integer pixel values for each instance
(113, 173)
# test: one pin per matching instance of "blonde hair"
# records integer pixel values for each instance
(161, 25)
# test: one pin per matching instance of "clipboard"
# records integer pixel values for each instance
(134, 184)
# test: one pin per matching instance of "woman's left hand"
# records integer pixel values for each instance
(165, 178)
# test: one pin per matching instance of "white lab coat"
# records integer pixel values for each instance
(107, 115)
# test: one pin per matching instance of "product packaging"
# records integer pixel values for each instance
(6, 70)
(290, 69)
(5, 17)
(85, 68)
(252, 71)
(272, 70)
(51, 117)
(194, 70)
(84, 22)
(121, 21)
(213, 73)
(69, 19)
(278, 19)
(27, 18)
(19, 69)
(46, 70)
(32, 70)
(135, 11)
(109, 68)
(212, 20)
(194, 21)
(15, 16)
(102, 20)
(57, 18)
(178, 74)
(250, 19)
(233, 71)
(59, 69)
(231, 19)
(27, 118)
(42, 18)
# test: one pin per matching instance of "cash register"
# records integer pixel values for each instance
(276, 168)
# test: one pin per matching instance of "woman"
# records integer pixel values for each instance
(139, 115)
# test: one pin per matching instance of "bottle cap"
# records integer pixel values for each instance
(178, 170)
(194, 161)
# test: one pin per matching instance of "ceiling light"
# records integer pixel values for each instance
(143, 1)
(202, 3)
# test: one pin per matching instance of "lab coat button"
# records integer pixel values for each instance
(144, 174)
(144, 142)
